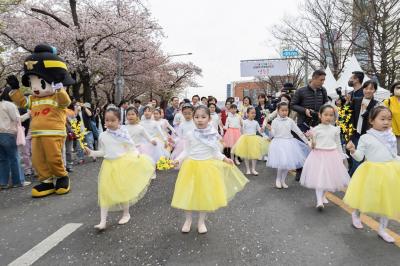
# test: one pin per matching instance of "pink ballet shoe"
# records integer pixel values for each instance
(356, 221)
(385, 236)
(254, 172)
(201, 228)
(248, 172)
(124, 219)
(237, 161)
(278, 184)
(320, 207)
(284, 185)
(186, 227)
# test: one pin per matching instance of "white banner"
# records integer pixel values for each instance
(265, 67)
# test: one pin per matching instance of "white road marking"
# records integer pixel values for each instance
(46, 245)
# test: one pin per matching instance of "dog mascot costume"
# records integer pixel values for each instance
(46, 74)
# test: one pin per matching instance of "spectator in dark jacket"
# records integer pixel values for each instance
(172, 110)
(307, 101)
(361, 108)
(356, 81)
(262, 108)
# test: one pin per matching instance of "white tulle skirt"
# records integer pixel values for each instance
(287, 153)
(155, 152)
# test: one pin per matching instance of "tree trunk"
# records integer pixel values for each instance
(84, 71)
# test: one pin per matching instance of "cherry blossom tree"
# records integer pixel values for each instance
(88, 35)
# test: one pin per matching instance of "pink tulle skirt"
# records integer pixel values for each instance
(231, 136)
(324, 169)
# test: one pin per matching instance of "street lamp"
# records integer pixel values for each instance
(174, 55)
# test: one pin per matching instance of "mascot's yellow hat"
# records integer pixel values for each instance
(46, 64)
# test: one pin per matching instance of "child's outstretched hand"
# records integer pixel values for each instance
(227, 160)
(351, 147)
(87, 151)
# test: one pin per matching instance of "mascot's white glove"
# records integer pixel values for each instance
(57, 86)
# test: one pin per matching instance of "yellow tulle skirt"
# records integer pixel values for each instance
(375, 188)
(251, 147)
(206, 185)
(124, 180)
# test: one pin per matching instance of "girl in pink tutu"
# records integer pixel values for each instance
(324, 169)
(185, 127)
(233, 125)
(285, 152)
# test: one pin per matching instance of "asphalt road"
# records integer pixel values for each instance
(261, 226)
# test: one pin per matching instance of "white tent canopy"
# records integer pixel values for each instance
(349, 67)
(330, 83)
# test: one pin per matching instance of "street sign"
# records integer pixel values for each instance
(290, 53)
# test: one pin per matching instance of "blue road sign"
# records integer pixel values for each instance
(290, 53)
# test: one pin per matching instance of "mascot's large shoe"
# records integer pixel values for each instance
(43, 190)
(62, 185)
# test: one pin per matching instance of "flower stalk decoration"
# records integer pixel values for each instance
(345, 123)
(80, 135)
(165, 164)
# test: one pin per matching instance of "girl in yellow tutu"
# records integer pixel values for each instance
(207, 179)
(124, 175)
(375, 186)
(251, 146)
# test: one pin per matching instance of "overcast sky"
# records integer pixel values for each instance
(219, 33)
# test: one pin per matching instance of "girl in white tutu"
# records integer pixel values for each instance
(285, 152)
(168, 130)
(215, 119)
(207, 179)
(156, 133)
(324, 169)
(144, 143)
(184, 128)
(233, 125)
(250, 146)
(124, 175)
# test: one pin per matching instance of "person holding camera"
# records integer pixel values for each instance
(307, 102)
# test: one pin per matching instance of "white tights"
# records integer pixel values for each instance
(383, 221)
(202, 217)
(104, 213)
(253, 164)
(320, 196)
(281, 175)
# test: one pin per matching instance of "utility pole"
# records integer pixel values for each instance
(119, 80)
